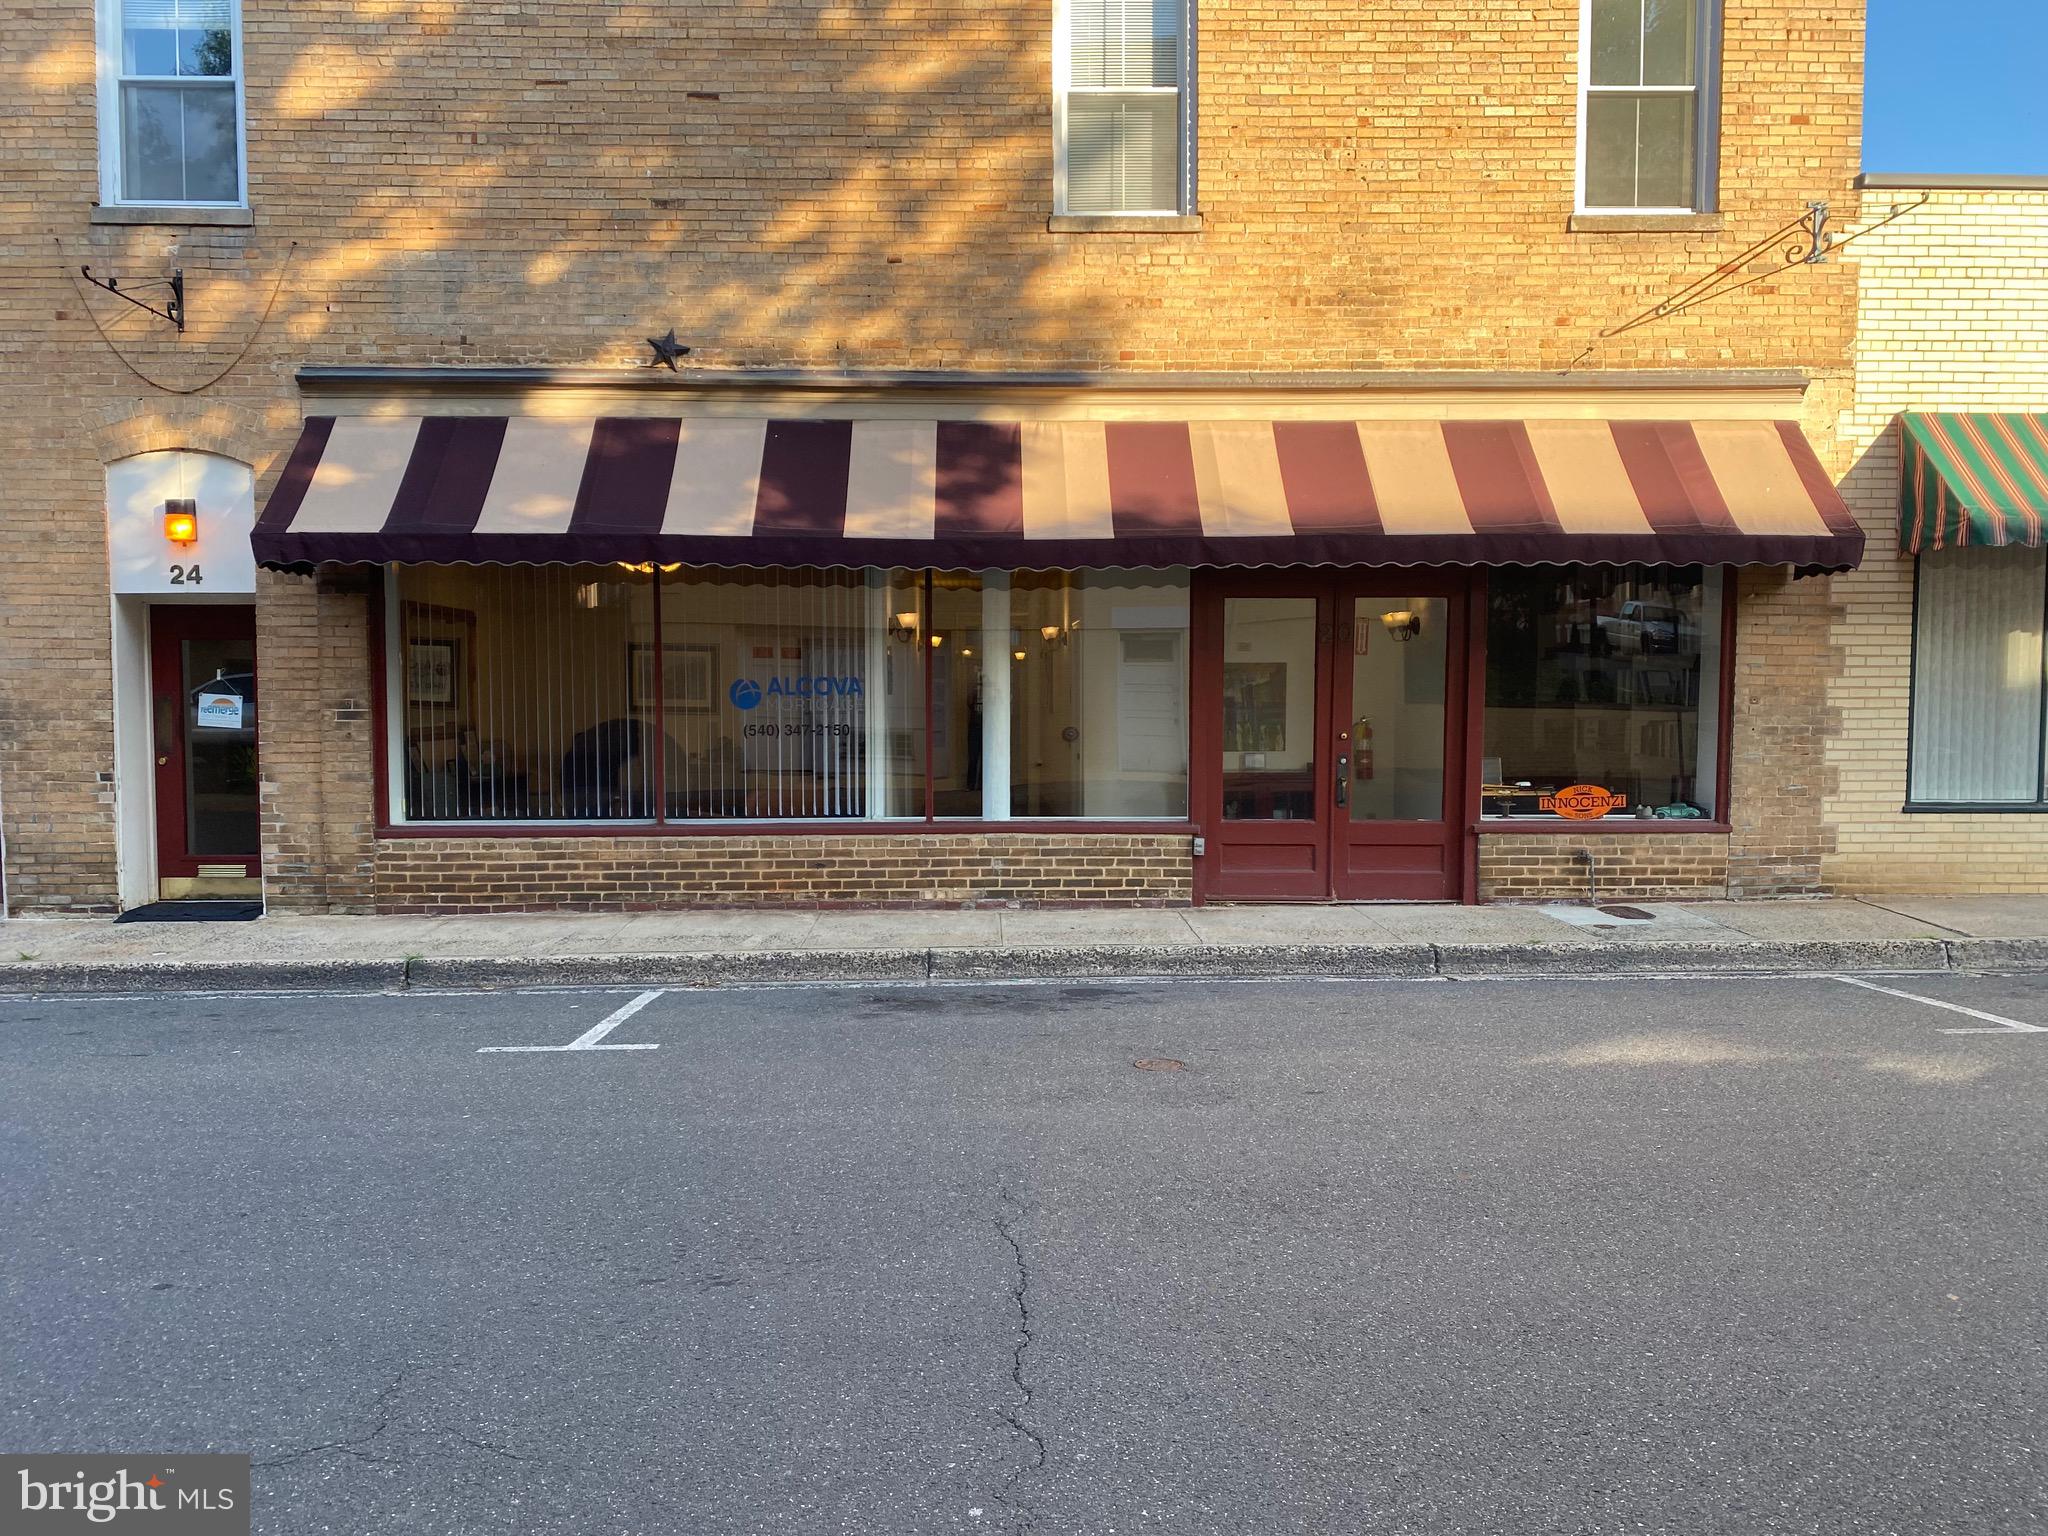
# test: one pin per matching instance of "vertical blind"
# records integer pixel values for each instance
(763, 718)
(606, 693)
(515, 699)
(1123, 106)
(1977, 676)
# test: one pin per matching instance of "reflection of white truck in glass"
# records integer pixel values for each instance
(1643, 626)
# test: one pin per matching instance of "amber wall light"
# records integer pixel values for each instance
(181, 522)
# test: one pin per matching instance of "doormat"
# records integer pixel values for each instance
(193, 912)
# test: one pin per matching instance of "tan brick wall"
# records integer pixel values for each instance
(489, 874)
(1778, 769)
(317, 785)
(1954, 317)
(1643, 866)
(845, 185)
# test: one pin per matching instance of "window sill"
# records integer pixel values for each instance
(195, 218)
(1124, 224)
(1645, 224)
(834, 826)
(1975, 808)
(1623, 824)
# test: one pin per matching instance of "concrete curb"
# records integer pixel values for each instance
(1998, 954)
(1035, 962)
(1623, 958)
(709, 968)
(42, 977)
(743, 967)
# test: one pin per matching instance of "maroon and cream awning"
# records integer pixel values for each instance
(1052, 494)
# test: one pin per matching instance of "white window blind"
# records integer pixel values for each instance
(1122, 105)
(1977, 677)
(144, 15)
(1124, 43)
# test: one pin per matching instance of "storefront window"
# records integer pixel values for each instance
(513, 696)
(612, 693)
(785, 694)
(1978, 723)
(1060, 694)
(1608, 677)
(965, 664)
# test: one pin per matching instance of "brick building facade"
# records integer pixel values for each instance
(1953, 318)
(1380, 221)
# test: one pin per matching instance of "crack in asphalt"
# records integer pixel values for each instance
(335, 1447)
(483, 1445)
(377, 1409)
(353, 1445)
(1020, 1297)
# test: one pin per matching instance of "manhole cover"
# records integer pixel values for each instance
(1159, 1064)
(1633, 914)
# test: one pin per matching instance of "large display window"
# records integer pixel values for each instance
(1060, 694)
(1980, 694)
(1603, 678)
(621, 694)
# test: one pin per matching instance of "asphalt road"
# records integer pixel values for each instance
(1651, 1256)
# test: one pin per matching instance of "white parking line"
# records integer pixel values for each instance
(2004, 1025)
(592, 1038)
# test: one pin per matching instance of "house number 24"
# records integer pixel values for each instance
(186, 576)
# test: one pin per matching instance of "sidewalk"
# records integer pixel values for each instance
(728, 947)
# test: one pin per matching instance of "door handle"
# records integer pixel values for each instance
(166, 716)
(1343, 780)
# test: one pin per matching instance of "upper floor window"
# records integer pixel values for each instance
(1647, 113)
(1120, 79)
(170, 102)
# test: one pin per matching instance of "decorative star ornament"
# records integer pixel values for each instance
(667, 349)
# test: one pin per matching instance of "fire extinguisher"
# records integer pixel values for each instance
(1361, 751)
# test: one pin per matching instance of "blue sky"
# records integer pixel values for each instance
(1955, 86)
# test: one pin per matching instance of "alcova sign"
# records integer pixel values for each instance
(745, 693)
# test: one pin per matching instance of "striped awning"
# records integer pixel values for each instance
(1052, 494)
(1972, 479)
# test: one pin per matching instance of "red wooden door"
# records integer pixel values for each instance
(203, 719)
(1399, 689)
(1262, 712)
(1329, 726)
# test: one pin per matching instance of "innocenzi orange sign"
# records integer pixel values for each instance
(1583, 802)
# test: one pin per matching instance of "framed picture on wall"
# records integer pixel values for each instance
(432, 670)
(688, 673)
(439, 651)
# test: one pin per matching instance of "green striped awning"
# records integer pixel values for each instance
(1972, 479)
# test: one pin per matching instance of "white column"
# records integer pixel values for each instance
(392, 682)
(995, 695)
(875, 690)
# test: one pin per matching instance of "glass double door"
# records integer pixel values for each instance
(1332, 716)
